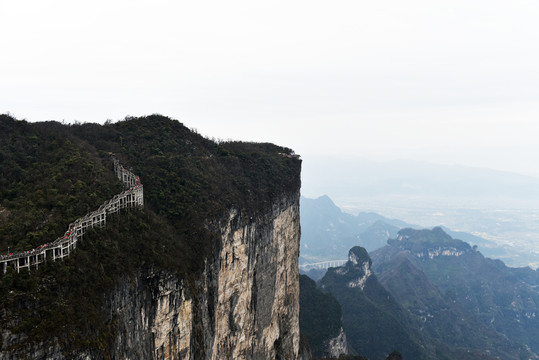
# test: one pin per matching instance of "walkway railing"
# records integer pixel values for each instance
(63, 246)
(322, 265)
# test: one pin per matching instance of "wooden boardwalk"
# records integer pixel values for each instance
(63, 246)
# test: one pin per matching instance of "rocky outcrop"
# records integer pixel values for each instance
(337, 345)
(432, 253)
(244, 306)
(369, 310)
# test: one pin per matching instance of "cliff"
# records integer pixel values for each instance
(208, 270)
(244, 306)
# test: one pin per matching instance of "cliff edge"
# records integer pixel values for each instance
(207, 270)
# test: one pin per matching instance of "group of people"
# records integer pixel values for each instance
(70, 230)
(28, 252)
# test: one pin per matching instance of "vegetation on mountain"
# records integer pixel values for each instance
(426, 239)
(64, 300)
(463, 300)
(188, 176)
(55, 173)
(319, 316)
(375, 324)
(49, 179)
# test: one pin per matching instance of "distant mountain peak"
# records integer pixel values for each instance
(358, 256)
(357, 270)
(436, 234)
(325, 198)
(460, 297)
(326, 202)
(367, 308)
(429, 243)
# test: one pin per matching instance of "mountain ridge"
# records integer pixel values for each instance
(453, 282)
(153, 284)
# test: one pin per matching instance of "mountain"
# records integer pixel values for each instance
(328, 233)
(432, 277)
(320, 320)
(487, 247)
(374, 322)
(461, 298)
(206, 269)
(494, 205)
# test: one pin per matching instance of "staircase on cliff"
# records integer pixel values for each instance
(63, 246)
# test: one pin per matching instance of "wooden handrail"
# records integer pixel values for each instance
(64, 245)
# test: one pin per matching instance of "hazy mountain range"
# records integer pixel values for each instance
(434, 297)
(498, 206)
(328, 233)
(460, 297)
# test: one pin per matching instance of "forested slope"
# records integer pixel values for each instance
(55, 173)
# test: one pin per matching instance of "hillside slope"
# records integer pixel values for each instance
(374, 322)
(462, 298)
(216, 216)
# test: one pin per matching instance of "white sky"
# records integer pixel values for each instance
(451, 82)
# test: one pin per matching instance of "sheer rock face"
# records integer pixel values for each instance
(257, 307)
(154, 316)
(245, 305)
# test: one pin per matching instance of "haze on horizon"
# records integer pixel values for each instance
(454, 82)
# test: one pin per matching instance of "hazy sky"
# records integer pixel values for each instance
(453, 81)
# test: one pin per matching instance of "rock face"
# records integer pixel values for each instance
(154, 318)
(252, 287)
(245, 305)
(338, 345)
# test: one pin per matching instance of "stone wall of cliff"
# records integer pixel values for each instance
(244, 306)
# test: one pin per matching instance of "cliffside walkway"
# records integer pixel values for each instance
(322, 265)
(63, 246)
